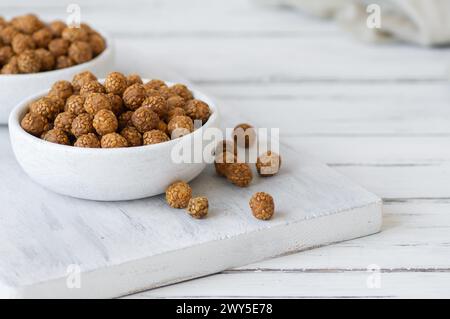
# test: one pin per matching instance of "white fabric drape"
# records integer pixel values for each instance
(424, 22)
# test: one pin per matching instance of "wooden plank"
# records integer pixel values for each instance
(176, 18)
(342, 109)
(304, 285)
(403, 181)
(410, 229)
(374, 151)
(123, 247)
(244, 60)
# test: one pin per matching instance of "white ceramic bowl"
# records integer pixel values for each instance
(103, 174)
(17, 87)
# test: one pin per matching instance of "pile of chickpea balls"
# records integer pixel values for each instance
(179, 194)
(121, 112)
(28, 45)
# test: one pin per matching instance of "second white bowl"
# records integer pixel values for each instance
(103, 174)
(17, 87)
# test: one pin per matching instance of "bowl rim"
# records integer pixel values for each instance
(107, 52)
(19, 110)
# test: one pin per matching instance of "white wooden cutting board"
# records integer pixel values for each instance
(125, 247)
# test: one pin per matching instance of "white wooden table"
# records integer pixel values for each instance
(378, 114)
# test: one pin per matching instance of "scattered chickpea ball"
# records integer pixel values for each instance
(105, 122)
(226, 146)
(180, 125)
(262, 205)
(89, 140)
(82, 124)
(39, 47)
(198, 207)
(183, 91)
(95, 102)
(75, 104)
(268, 164)
(244, 135)
(239, 174)
(178, 194)
(113, 140)
(133, 96)
(132, 135)
(198, 110)
(155, 137)
(116, 83)
(64, 121)
(156, 103)
(144, 119)
(222, 162)
(57, 136)
(34, 124)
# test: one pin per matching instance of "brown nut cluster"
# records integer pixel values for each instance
(179, 126)
(198, 110)
(240, 174)
(227, 165)
(178, 194)
(268, 164)
(57, 136)
(118, 113)
(89, 140)
(198, 207)
(262, 205)
(222, 161)
(244, 135)
(132, 135)
(82, 124)
(156, 103)
(155, 137)
(105, 122)
(28, 45)
(113, 140)
(95, 102)
(144, 119)
(64, 120)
